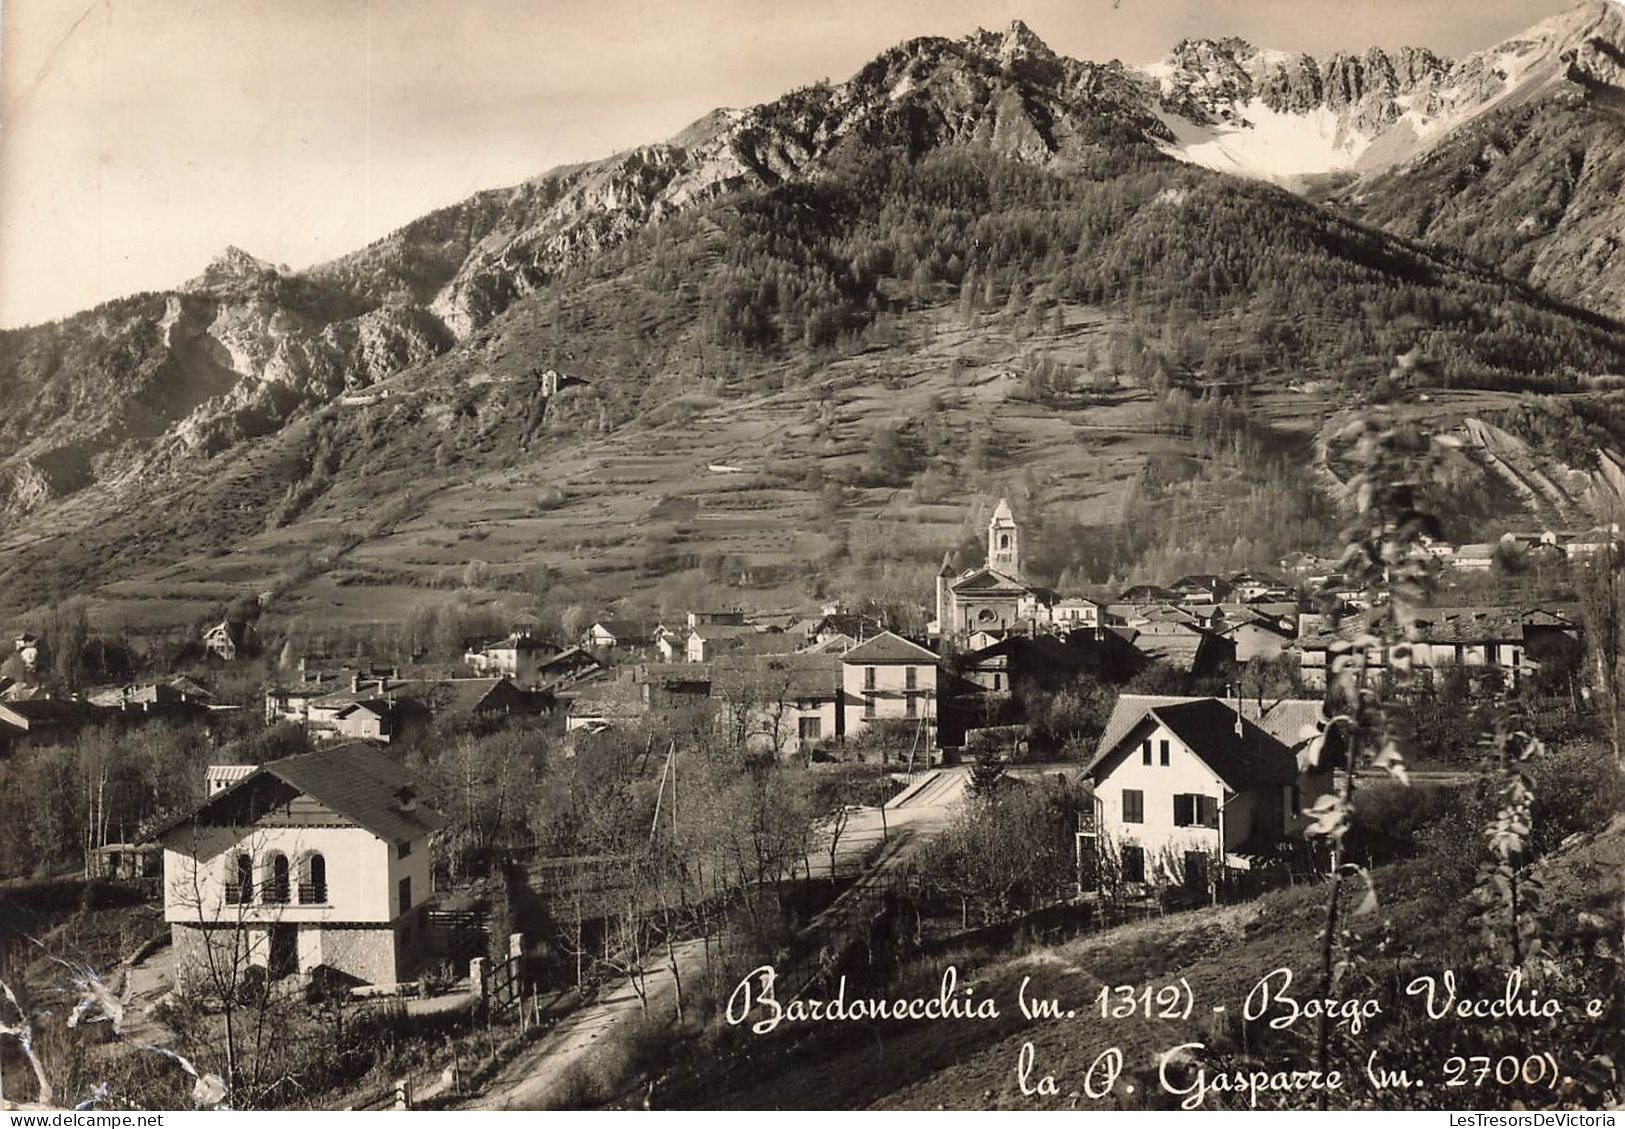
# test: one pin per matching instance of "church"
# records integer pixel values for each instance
(993, 598)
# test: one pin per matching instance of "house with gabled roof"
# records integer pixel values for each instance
(518, 656)
(707, 642)
(599, 714)
(782, 704)
(673, 685)
(229, 639)
(1183, 786)
(572, 664)
(1183, 646)
(607, 634)
(1073, 613)
(319, 859)
(1513, 641)
(889, 678)
(1256, 636)
(382, 708)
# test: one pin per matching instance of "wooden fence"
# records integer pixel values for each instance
(500, 985)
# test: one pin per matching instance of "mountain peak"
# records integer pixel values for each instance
(1019, 37)
(231, 266)
(1018, 41)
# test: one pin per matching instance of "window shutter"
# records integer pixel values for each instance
(1184, 816)
(1208, 807)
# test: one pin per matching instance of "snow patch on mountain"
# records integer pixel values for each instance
(1270, 144)
(1284, 117)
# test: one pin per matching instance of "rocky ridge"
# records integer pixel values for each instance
(238, 350)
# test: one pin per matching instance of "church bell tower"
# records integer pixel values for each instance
(1004, 541)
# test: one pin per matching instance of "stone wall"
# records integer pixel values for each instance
(365, 952)
(235, 947)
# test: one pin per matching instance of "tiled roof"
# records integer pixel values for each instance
(364, 784)
(441, 695)
(1465, 625)
(1208, 727)
(624, 630)
(520, 642)
(888, 648)
(605, 707)
(355, 780)
(834, 645)
(1284, 719)
(566, 657)
(806, 675)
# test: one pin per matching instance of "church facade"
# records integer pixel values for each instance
(993, 597)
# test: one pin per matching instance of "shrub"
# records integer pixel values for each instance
(1390, 817)
(1577, 788)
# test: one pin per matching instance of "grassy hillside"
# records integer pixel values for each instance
(878, 352)
(1422, 926)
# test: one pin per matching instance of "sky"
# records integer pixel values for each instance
(139, 138)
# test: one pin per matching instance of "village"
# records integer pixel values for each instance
(376, 831)
(502, 837)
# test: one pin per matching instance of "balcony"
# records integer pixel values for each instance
(239, 893)
(312, 893)
(276, 892)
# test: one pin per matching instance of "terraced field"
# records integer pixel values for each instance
(730, 488)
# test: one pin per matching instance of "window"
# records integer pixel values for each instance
(1133, 805)
(1145, 751)
(868, 707)
(1133, 864)
(313, 890)
(868, 678)
(997, 679)
(276, 881)
(1004, 540)
(911, 705)
(403, 849)
(405, 892)
(911, 677)
(1162, 754)
(241, 890)
(1195, 810)
(812, 728)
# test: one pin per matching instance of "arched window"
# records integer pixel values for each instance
(240, 881)
(987, 615)
(313, 887)
(1004, 540)
(276, 879)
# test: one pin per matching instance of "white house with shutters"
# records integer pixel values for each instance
(319, 859)
(1185, 785)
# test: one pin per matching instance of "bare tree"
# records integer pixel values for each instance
(234, 971)
(1602, 594)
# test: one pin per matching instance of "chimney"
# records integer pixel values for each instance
(355, 682)
(406, 798)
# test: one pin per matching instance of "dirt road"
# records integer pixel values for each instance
(535, 1079)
